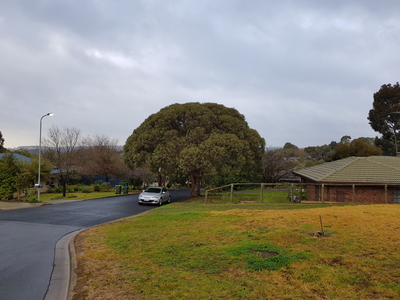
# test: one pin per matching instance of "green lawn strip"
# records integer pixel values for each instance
(79, 196)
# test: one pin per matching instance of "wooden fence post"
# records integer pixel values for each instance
(262, 192)
(231, 192)
(291, 193)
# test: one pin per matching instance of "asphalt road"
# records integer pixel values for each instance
(28, 238)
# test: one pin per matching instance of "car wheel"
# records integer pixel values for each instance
(169, 199)
(160, 202)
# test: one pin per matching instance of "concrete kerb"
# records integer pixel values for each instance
(63, 278)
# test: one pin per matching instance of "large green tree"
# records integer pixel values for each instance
(2, 149)
(318, 152)
(9, 170)
(197, 139)
(384, 117)
(358, 147)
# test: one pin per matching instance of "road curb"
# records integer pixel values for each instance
(63, 278)
(62, 270)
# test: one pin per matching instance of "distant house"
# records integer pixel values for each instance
(18, 156)
(374, 179)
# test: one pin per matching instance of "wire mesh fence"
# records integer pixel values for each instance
(304, 193)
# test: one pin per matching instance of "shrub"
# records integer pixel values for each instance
(74, 188)
(70, 189)
(51, 191)
(106, 187)
(59, 189)
(33, 199)
(301, 194)
(99, 182)
(86, 189)
(124, 182)
(96, 188)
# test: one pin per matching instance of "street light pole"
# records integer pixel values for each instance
(40, 148)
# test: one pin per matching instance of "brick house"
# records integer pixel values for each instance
(374, 179)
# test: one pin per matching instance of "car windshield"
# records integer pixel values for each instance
(153, 190)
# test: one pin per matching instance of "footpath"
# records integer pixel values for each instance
(6, 205)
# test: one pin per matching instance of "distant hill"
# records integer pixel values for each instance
(272, 148)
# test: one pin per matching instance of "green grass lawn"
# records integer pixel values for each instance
(79, 195)
(189, 250)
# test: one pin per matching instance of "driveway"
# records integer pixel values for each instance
(28, 238)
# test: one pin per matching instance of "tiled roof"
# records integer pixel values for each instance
(18, 156)
(373, 169)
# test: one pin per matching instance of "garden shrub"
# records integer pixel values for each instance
(33, 199)
(51, 191)
(96, 188)
(99, 182)
(86, 189)
(74, 188)
(59, 189)
(106, 187)
(124, 182)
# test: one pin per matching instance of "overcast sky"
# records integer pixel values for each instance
(299, 71)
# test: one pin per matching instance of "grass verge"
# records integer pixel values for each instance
(78, 196)
(194, 251)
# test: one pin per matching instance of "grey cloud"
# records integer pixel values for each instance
(300, 71)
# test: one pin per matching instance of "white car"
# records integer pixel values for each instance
(155, 195)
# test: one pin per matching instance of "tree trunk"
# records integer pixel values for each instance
(159, 179)
(64, 185)
(196, 179)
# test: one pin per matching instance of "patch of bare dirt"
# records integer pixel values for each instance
(319, 234)
(264, 254)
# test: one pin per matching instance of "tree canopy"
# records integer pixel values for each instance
(197, 139)
(357, 147)
(63, 148)
(318, 152)
(383, 117)
(2, 149)
(101, 156)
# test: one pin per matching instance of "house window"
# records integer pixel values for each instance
(396, 195)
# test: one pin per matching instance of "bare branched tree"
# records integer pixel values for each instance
(102, 156)
(275, 166)
(63, 147)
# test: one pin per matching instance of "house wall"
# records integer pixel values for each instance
(363, 194)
